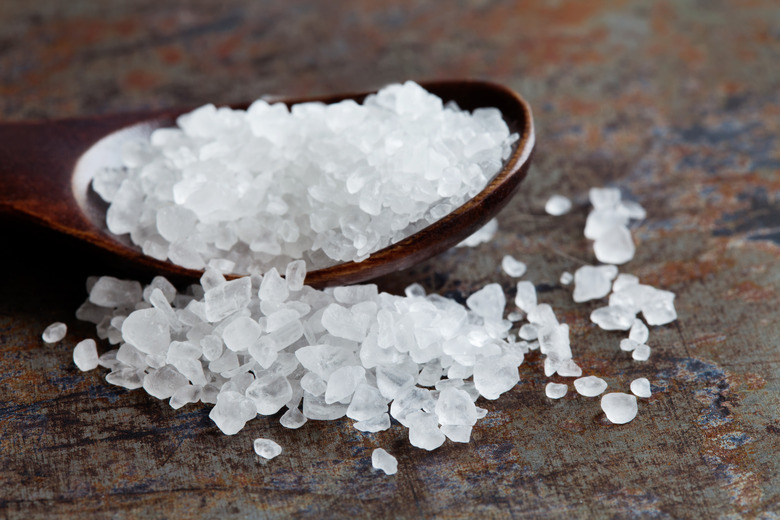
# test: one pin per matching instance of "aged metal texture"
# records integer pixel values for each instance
(675, 103)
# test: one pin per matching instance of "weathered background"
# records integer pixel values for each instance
(676, 103)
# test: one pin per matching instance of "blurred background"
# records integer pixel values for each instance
(676, 103)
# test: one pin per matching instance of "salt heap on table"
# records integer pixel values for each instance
(253, 189)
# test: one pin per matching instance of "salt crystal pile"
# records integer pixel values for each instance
(619, 408)
(607, 225)
(247, 190)
(260, 345)
(54, 332)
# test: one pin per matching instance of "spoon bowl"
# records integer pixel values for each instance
(46, 170)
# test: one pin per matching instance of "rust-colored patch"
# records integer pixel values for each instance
(750, 291)
(170, 55)
(141, 79)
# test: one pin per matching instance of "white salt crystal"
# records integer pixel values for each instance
(232, 411)
(555, 390)
(295, 274)
(424, 430)
(343, 382)
(379, 423)
(382, 460)
(614, 246)
(266, 448)
(641, 353)
(391, 381)
(241, 333)
(111, 292)
(619, 408)
(623, 281)
(660, 309)
(613, 317)
(367, 402)
(525, 298)
(590, 386)
(639, 332)
(604, 198)
(591, 282)
(632, 209)
(542, 315)
(482, 235)
(147, 330)
(85, 355)
(640, 387)
(455, 407)
(568, 368)
(513, 267)
(224, 300)
(55, 332)
(343, 323)
(163, 383)
(557, 205)
(602, 221)
(514, 316)
(130, 378)
(528, 332)
(269, 393)
(566, 278)
(495, 375)
(457, 432)
(488, 302)
(628, 344)
(292, 419)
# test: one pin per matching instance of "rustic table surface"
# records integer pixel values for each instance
(675, 103)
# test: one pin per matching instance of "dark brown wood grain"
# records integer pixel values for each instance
(47, 167)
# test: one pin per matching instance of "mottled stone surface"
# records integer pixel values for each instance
(676, 103)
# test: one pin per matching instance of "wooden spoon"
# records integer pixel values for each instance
(46, 169)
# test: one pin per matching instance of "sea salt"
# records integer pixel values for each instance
(593, 282)
(557, 205)
(555, 390)
(641, 387)
(85, 355)
(254, 189)
(566, 278)
(590, 386)
(383, 461)
(513, 267)
(54, 332)
(641, 353)
(619, 408)
(266, 448)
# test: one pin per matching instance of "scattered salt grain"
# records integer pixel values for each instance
(639, 332)
(619, 408)
(566, 278)
(382, 460)
(513, 267)
(641, 353)
(593, 282)
(525, 298)
(85, 355)
(555, 390)
(640, 387)
(54, 332)
(266, 448)
(557, 205)
(613, 317)
(590, 386)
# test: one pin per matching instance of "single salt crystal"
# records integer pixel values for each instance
(273, 287)
(295, 274)
(455, 407)
(483, 234)
(269, 393)
(241, 333)
(343, 323)
(391, 381)
(566, 278)
(457, 432)
(495, 375)
(85, 355)
(382, 460)
(367, 402)
(542, 315)
(163, 383)
(613, 317)
(292, 419)
(614, 246)
(111, 292)
(184, 395)
(514, 316)
(528, 332)
(148, 331)
(488, 302)
(590, 386)
(525, 298)
(557, 205)
(593, 282)
(568, 368)
(623, 281)
(604, 198)
(54, 332)
(424, 430)
(639, 332)
(602, 221)
(628, 344)
(266, 448)
(343, 382)
(659, 310)
(379, 423)
(641, 353)
(640, 387)
(513, 267)
(631, 209)
(130, 378)
(619, 408)
(224, 300)
(232, 411)
(555, 390)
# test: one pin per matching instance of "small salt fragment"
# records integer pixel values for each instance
(292, 419)
(628, 344)
(557, 205)
(54, 332)
(623, 281)
(555, 390)
(424, 430)
(295, 274)
(593, 282)
(590, 386)
(488, 302)
(613, 317)
(457, 432)
(513, 267)
(382, 460)
(528, 332)
(514, 316)
(614, 246)
(85, 355)
(619, 408)
(525, 298)
(639, 332)
(641, 353)
(641, 387)
(566, 278)
(266, 448)
(568, 368)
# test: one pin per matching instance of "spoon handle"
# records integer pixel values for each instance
(37, 161)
